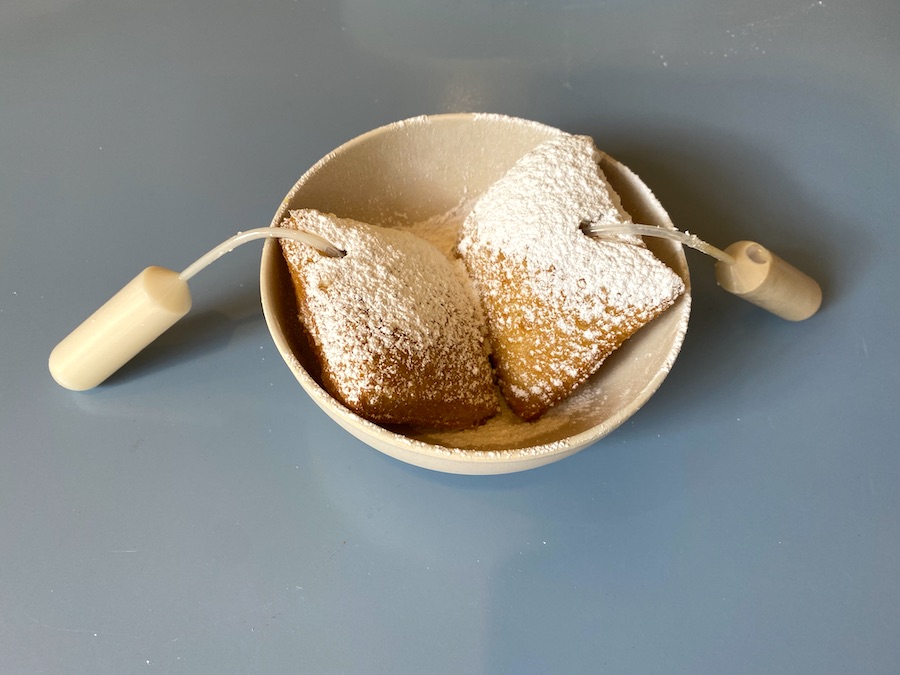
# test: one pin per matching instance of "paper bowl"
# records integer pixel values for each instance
(415, 169)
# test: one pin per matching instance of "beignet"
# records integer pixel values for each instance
(557, 302)
(399, 337)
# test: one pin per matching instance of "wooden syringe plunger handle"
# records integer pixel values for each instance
(761, 277)
(143, 310)
(129, 321)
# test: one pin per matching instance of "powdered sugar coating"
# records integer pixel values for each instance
(557, 302)
(399, 337)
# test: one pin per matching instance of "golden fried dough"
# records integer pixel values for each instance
(397, 334)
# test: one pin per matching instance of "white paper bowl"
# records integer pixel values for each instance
(409, 171)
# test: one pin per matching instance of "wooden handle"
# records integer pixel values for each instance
(129, 321)
(761, 277)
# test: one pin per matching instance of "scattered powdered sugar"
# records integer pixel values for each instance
(505, 430)
(533, 214)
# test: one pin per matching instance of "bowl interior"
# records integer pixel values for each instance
(426, 167)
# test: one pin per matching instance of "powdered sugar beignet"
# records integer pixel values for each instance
(557, 302)
(398, 336)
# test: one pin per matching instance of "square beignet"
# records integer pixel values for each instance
(557, 302)
(399, 338)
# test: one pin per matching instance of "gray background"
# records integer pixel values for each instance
(199, 514)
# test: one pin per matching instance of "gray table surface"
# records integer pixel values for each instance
(198, 514)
